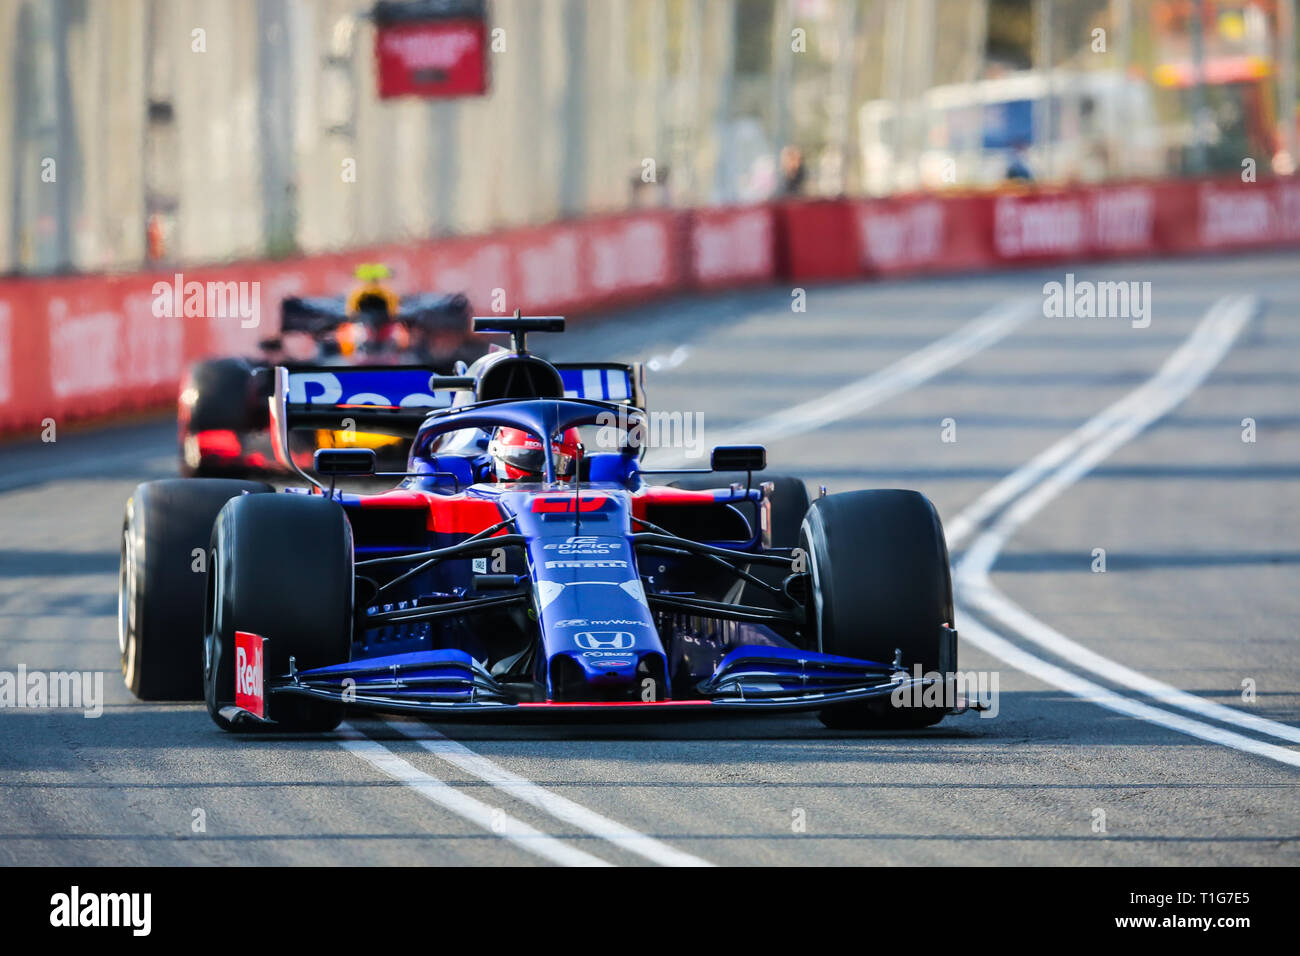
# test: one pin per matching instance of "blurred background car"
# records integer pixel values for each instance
(222, 411)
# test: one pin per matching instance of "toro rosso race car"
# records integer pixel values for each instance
(222, 411)
(526, 564)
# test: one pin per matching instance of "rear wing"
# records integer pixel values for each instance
(385, 398)
(393, 400)
(431, 310)
(312, 315)
(604, 381)
(396, 399)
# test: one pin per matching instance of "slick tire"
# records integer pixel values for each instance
(880, 583)
(223, 397)
(280, 566)
(165, 535)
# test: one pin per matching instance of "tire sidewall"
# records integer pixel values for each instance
(282, 570)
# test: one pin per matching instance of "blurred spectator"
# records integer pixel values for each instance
(793, 173)
(1018, 168)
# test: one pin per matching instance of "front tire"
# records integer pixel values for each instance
(164, 545)
(223, 394)
(280, 567)
(880, 584)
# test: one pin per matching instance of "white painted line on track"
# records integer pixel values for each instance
(892, 380)
(562, 808)
(1064, 462)
(444, 795)
(1026, 491)
(559, 807)
(1070, 682)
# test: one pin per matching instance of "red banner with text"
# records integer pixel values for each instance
(94, 346)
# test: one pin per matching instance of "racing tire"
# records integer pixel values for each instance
(880, 583)
(223, 395)
(279, 566)
(222, 398)
(165, 535)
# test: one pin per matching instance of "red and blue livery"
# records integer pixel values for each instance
(576, 582)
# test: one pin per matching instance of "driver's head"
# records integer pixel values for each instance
(518, 455)
(372, 308)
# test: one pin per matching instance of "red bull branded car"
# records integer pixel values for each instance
(525, 565)
(222, 417)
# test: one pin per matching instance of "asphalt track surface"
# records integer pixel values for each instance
(1121, 693)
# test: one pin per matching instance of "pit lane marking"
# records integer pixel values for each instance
(562, 808)
(475, 811)
(1025, 492)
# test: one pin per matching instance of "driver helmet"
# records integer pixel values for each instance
(372, 301)
(518, 455)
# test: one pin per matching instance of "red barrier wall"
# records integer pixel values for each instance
(89, 346)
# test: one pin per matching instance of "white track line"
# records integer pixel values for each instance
(1081, 687)
(438, 791)
(1027, 490)
(562, 808)
(892, 380)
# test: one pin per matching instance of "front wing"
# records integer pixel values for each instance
(450, 684)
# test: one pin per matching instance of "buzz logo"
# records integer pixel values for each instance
(604, 640)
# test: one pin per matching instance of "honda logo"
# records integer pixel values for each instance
(604, 640)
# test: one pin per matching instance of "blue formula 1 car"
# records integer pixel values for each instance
(525, 565)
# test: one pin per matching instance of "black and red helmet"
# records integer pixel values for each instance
(518, 455)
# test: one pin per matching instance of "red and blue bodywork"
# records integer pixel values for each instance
(606, 594)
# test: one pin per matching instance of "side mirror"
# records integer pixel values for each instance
(738, 458)
(451, 383)
(345, 462)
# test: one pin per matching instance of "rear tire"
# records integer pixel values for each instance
(279, 567)
(161, 582)
(881, 583)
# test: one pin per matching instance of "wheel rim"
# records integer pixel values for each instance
(811, 554)
(126, 595)
(210, 635)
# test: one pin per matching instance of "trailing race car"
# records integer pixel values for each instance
(222, 412)
(525, 565)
